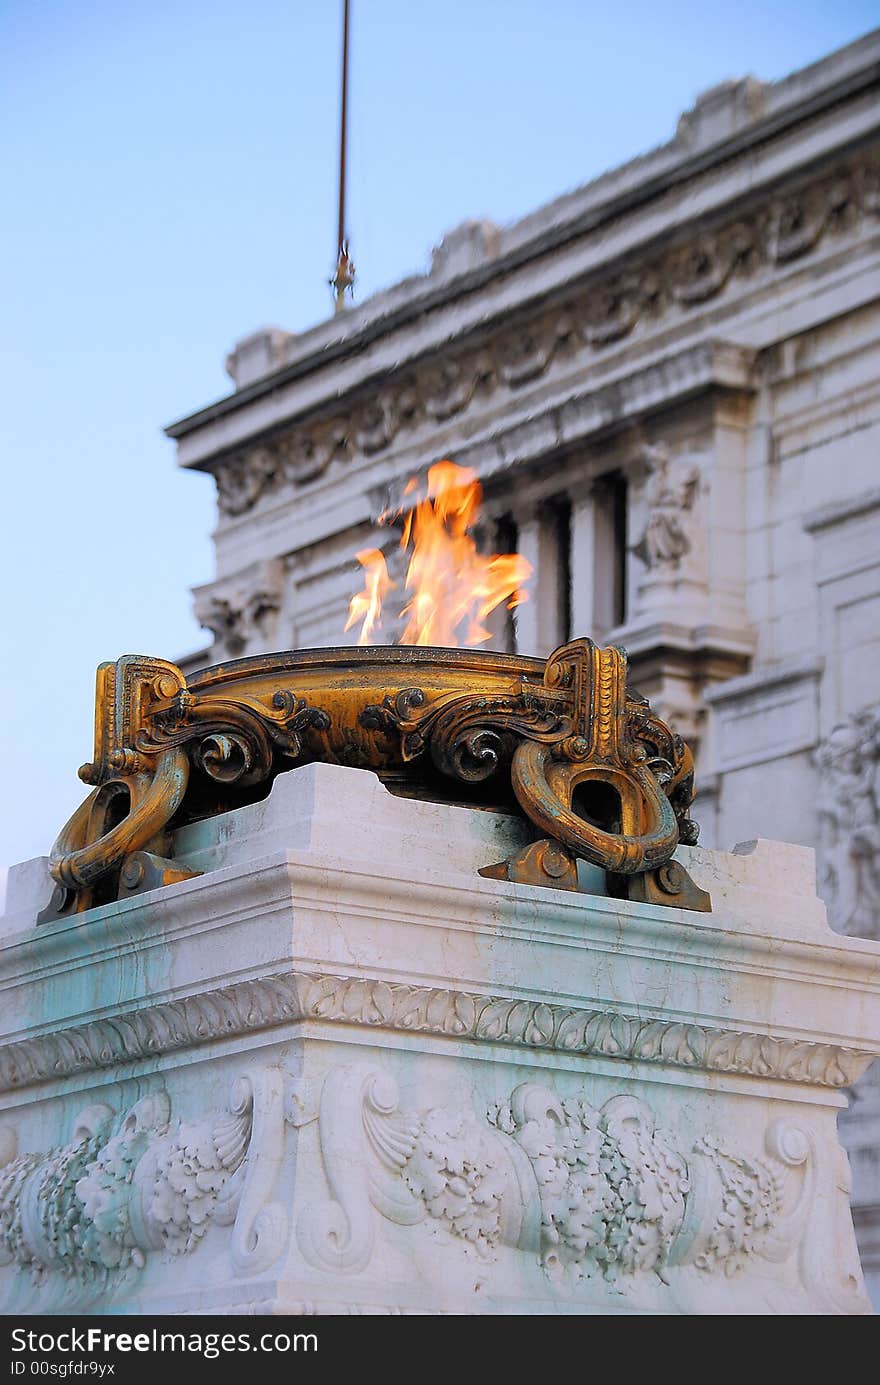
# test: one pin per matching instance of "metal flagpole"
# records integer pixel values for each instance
(343, 279)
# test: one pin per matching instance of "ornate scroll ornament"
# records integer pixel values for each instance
(586, 1190)
(121, 1190)
(603, 311)
(588, 764)
(579, 736)
(150, 733)
(849, 818)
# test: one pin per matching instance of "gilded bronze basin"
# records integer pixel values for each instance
(561, 739)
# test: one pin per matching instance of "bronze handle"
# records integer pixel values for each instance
(74, 865)
(650, 829)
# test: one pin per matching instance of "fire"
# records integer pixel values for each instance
(368, 603)
(451, 587)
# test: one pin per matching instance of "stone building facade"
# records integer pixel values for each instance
(668, 383)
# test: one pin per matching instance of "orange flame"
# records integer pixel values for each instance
(450, 584)
(368, 603)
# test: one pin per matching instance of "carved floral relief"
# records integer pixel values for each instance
(122, 1189)
(587, 1190)
(580, 1189)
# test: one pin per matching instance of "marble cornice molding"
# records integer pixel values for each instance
(263, 1003)
(703, 151)
(565, 330)
(261, 889)
(762, 680)
(614, 406)
(838, 511)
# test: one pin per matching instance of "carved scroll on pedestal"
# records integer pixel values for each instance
(588, 1191)
(124, 1188)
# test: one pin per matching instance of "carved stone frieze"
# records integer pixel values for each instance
(303, 456)
(525, 354)
(849, 818)
(703, 268)
(602, 311)
(585, 1190)
(121, 1189)
(242, 613)
(249, 1006)
(241, 482)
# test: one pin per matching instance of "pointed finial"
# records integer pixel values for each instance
(343, 279)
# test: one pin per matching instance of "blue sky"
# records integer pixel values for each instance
(169, 177)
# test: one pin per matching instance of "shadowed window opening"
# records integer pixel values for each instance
(507, 541)
(560, 510)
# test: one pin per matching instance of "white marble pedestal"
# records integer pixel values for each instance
(339, 1071)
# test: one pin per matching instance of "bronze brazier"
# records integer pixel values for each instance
(585, 760)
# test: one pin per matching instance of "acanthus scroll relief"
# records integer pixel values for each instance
(849, 819)
(581, 1190)
(123, 1189)
(588, 1191)
(248, 1006)
(600, 313)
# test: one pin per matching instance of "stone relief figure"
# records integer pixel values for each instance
(669, 493)
(849, 818)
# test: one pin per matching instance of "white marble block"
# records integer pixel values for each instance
(340, 1071)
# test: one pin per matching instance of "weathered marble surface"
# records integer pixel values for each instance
(374, 1081)
(714, 300)
(701, 324)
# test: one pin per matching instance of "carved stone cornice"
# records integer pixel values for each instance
(605, 308)
(364, 1002)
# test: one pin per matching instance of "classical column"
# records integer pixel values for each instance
(583, 561)
(497, 534)
(539, 620)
